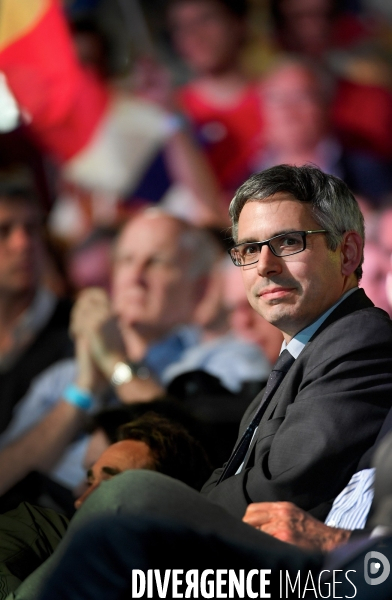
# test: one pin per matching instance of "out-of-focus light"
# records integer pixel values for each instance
(10, 116)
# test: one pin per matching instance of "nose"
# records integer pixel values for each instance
(79, 501)
(19, 238)
(268, 264)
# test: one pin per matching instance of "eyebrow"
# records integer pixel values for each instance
(107, 470)
(251, 240)
(110, 471)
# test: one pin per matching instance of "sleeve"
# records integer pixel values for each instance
(351, 508)
(44, 392)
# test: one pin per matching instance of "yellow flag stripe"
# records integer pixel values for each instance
(18, 17)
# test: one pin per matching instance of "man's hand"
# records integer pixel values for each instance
(99, 346)
(288, 523)
(94, 327)
(90, 311)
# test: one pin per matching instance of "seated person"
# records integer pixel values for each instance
(29, 534)
(125, 348)
(33, 320)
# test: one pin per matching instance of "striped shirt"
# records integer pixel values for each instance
(351, 508)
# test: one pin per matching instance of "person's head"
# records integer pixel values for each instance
(21, 237)
(151, 441)
(161, 266)
(91, 43)
(117, 458)
(208, 34)
(292, 291)
(103, 426)
(176, 452)
(376, 267)
(304, 26)
(295, 98)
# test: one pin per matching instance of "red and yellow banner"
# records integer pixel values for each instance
(64, 102)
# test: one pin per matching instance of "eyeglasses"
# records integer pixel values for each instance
(284, 244)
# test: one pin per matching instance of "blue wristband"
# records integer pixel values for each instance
(80, 398)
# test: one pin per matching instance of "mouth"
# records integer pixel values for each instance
(275, 293)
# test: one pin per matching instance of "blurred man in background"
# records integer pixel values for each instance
(33, 321)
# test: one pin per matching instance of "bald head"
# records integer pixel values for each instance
(159, 263)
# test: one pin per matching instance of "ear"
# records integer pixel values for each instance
(351, 252)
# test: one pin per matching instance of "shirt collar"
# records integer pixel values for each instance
(299, 341)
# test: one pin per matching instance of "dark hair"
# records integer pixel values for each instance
(238, 8)
(279, 18)
(333, 205)
(17, 185)
(87, 24)
(176, 452)
(110, 418)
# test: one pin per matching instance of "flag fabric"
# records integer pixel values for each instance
(62, 102)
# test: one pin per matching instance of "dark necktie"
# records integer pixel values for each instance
(275, 378)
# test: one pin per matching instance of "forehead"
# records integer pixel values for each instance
(127, 454)
(18, 208)
(150, 236)
(290, 77)
(189, 8)
(262, 219)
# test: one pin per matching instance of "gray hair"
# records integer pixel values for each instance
(202, 248)
(333, 205)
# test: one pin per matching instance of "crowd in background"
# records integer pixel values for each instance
(176, 104)
(129, 138)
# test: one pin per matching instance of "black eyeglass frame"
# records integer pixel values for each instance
(303, 234)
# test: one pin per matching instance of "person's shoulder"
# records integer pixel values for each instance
(362, 320)
(30, 514)
(367, 331)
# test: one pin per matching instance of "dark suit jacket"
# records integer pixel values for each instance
(324, 416)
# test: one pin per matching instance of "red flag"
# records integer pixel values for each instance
(64, 102)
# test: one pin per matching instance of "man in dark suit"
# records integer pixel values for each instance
(304, 279)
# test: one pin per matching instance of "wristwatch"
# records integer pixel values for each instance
(124, 372)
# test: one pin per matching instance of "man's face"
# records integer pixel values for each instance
(289, 292)
(119, 457)
(206, 35)
(152, 288)
(294, 110)
(20, 246)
